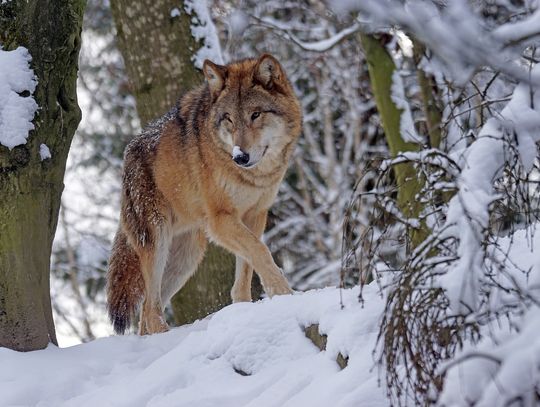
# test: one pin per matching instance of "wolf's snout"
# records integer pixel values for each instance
(241, 159)
(239, 156)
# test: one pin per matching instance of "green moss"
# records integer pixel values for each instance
(381, 67)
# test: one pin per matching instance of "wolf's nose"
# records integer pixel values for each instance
(241, 159)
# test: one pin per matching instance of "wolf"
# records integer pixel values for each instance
(210, 168)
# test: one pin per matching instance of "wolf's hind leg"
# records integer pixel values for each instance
(153, 266)
(185, 254)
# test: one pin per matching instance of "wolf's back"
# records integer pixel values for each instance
(125, 285)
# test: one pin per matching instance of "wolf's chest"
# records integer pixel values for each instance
(244, 196)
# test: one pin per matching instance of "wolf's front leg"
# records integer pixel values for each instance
(153, 261)
(241, 290)
(231, 233)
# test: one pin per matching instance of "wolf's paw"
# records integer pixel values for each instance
(277, 285)
(241, 294)
(161, 328)
(156, 325)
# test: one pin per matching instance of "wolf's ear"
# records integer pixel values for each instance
(215, 75)
(268, 71)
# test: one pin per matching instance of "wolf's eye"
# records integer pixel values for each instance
(225, 116)
(255, 115)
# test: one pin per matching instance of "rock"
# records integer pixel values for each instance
(320, 340)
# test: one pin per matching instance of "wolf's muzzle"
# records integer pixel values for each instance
(239, 157)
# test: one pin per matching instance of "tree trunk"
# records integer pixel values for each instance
(156, 43)
(381, 67)
(428, 90)
(157, 50)
(207, 291)
(31, 188)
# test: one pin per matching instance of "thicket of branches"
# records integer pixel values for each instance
(477, 196)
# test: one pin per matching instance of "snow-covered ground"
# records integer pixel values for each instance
(257, 354)
(247, 354)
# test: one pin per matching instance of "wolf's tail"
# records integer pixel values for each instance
(125, 285)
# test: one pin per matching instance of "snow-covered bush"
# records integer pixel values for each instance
(478, 191)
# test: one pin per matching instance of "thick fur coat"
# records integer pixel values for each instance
(209, 168)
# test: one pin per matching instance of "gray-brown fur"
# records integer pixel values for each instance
(124, 271)
(140, 217)
(181, 186)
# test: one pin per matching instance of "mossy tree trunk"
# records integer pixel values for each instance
(430, 98)
(157, 47)
(381, 66)
(31, 189)
(207, 291)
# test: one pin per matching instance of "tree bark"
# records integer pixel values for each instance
(207, 291)
(30, 188)
(157, 47)
(381, 67)
(428, 90)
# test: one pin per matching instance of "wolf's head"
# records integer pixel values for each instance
(254, 113)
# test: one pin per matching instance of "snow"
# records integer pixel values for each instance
(326, 44)
(203, 364)
(506, 363)
(276, 365)
(454, 33)
(44, 152)
(469, 210)
(515, 31)
(16, 111)
(203, 30)
(238, 21)
(406, 125)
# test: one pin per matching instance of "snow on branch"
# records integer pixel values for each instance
(204, 31)
(519, 31)
(17, 106)
(406, 124)
(480, 202)
(469, 210)
(326, 44)
(504, 366)
(453, 31)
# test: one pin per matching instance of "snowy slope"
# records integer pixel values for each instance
(205, 364)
